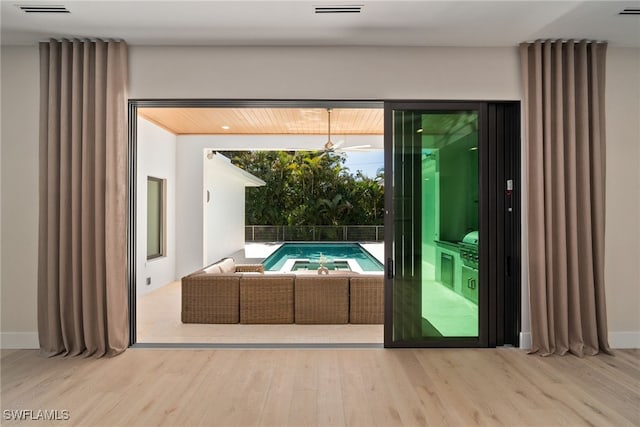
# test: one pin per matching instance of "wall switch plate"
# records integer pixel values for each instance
(148, 281)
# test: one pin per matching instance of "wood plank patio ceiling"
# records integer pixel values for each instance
(266, 121)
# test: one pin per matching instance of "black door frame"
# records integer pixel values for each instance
(508, 315)
(499, 221)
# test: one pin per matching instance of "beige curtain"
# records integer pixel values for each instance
(564, 104)
(82, 276)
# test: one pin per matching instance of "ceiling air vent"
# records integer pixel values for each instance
(630, 11)
(354, 8)
(44, 9)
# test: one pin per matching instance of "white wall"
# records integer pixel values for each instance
(317, 73)
(19, 133)
(189, 220)
(622, 238)
(193, 250)
(156, 158)
(224, 212)
(360, 73)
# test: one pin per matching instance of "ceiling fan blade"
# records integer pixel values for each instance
(336, 145)
(356, 147)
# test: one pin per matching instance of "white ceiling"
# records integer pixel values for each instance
(381, 23)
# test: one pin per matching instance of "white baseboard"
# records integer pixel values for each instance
(525, 340)
(624, 339)
(619, 340)
(29, 340)
(19, 340)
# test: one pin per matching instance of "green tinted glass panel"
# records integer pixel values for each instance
(436, 201)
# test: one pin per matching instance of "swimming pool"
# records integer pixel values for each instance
(293, 256)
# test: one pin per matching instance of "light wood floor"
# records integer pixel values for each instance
(374, 387)
(158, 321)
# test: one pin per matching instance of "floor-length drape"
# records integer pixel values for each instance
(82, 275)
(563, 83)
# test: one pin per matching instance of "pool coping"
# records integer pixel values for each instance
(353, 263)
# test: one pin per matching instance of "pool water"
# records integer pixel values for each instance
(314, 266)
(330, 251)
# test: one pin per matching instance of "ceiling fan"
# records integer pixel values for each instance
(330, 146)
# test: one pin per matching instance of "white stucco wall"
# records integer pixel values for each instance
(189, 196)
(156, 158)
(317, 73)
(223, 213)
(202, 240)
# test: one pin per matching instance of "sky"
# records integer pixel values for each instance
(367, 161)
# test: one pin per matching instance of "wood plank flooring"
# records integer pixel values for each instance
(373, 387)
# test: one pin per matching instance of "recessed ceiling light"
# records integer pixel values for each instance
(419, 130)
(225, 127)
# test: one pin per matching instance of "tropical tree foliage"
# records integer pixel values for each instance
(309, 188)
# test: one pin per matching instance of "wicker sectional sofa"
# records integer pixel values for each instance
(266, 298)
(210, 295)
(226, 292)
(322, 299)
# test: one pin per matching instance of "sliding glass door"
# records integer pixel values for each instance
(436, 290)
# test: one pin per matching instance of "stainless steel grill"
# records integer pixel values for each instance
(469, 256)
(469, 250)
